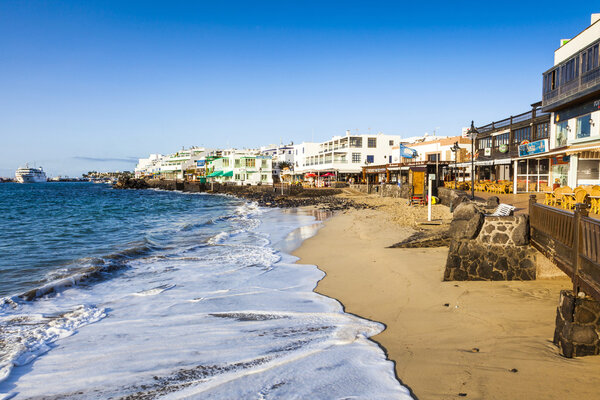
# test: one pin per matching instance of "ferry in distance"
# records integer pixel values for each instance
(30, 175)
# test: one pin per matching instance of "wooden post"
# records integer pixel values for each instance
(580, 211)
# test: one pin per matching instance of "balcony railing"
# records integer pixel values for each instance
(579, 84)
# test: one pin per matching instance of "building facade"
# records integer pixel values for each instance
(515, 149)
(571, 93)
(344, 156)
(239, 167)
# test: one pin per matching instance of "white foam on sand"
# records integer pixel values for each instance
(234, 319)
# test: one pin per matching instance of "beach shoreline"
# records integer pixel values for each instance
(485, 340)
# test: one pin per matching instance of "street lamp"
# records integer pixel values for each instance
(455, 148)
(473, 134)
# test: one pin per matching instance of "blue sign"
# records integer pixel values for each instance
(200, 163)
(407, 152)
(537, 147)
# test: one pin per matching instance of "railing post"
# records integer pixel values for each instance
(580, 211)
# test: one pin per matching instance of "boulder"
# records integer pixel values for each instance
(465, 211)
(466, 229)
(492, 202)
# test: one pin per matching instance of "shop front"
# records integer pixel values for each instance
(533, 167)
(585, 165)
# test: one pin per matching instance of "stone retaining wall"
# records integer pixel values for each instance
(472, 260)
(384, 190)
(577, 331)
(489, 248)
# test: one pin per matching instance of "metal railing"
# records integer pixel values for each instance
(513, 119)
(571, 240)
(582, 82)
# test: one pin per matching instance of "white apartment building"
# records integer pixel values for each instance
(345, 155)
(147, 166)
(240, 167)
(171, 166)
(432, 149)
(281, 155)
(571, 92)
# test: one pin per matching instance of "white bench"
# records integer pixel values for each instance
(503, 210)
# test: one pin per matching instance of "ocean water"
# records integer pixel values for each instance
(149, 294)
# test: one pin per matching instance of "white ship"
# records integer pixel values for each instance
(30, 175)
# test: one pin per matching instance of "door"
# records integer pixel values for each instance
(418, 182)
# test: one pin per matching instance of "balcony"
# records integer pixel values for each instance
(583, 86)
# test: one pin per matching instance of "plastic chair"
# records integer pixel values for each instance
(595, 202)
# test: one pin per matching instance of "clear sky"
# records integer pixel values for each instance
(93, 85)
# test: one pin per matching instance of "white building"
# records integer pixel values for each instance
(282, 156)
(571, 92)
(240, 167)
(146, 166)
(172, 166)
(344, 155)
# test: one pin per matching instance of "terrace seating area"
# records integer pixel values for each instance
(566, 198)
(499, 187)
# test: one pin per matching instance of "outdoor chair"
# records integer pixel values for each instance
(580, 196)
(595, 201)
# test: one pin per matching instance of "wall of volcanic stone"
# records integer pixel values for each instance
(489, 248)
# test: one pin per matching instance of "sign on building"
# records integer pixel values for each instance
(537, 147)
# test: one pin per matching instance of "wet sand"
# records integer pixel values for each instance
(485, 340)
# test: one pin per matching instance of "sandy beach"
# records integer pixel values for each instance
(476, 340)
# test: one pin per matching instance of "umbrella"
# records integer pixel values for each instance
(328, 174)
(310, 175)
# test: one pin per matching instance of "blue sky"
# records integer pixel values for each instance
(93, 85)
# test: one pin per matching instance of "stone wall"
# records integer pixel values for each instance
(471, 260)
(577, 331)
(511, 231)
(384, 190)
(360, 188)
(489, 248)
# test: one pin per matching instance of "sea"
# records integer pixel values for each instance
(149, 294)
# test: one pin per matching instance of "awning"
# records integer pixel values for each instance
(214, 174)
(585, 151)
(228, 173)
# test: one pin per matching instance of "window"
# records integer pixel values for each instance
(588, 169)
(250, 162)
(356, 158)
(589, 59)
(237, 163)
(485, 143)
(237, 177)
(372, 143)
(391, 142)
(502, 139)
(583, 126)
(522, 134)
(562, 134)
(570, 70)
(356, 142)
(541, 131)
(370, 159)
(433, 157)
(263, 177)
(263, 164)
(551, 80)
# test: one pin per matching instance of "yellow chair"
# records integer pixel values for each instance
(558, 197)
(595, 202)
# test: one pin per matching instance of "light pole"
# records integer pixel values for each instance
(473, 133)
(455, 149)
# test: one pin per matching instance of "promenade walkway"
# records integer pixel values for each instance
(520, 201)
